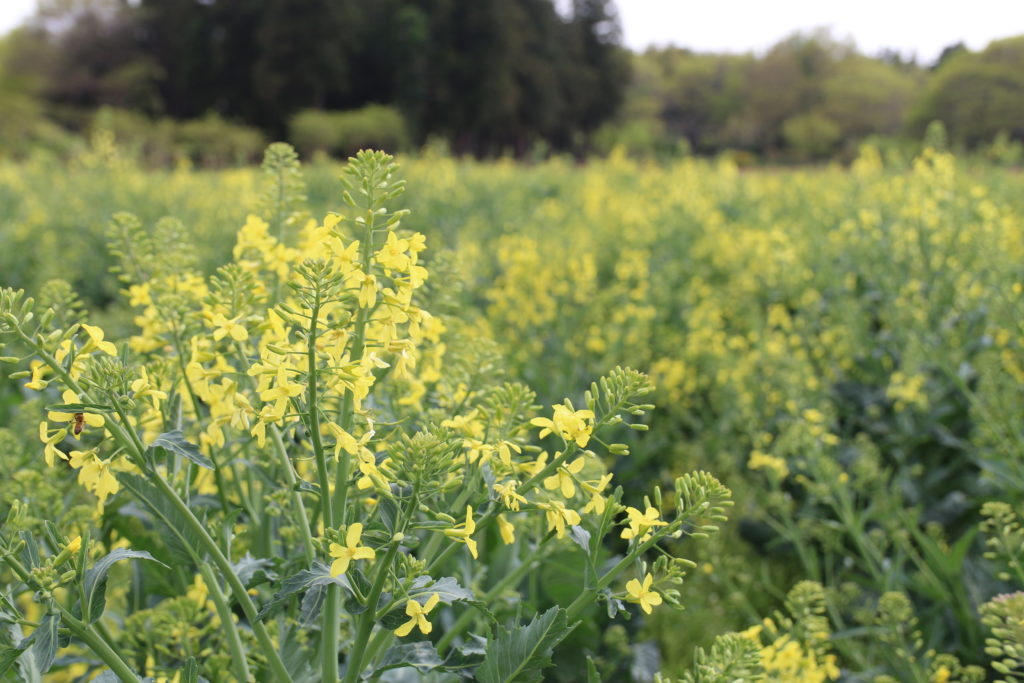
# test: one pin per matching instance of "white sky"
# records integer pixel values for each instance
(921, 27)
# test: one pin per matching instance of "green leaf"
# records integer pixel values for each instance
(522, 653)
(44, 645)
(592, 675)
(9, 655)
(420, 655)
(447, 588)
(190, 672)
(95, 584)
(30, 553)
(317, 575)
(253, 571)
(174, 441)
(580, 537)
(183, 543)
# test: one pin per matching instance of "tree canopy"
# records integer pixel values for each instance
(488, 75)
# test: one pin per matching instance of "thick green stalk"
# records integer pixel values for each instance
(348, 400)
(280, 673)
(368, 618)
(332, 609)
(357, 655)
(238, 662)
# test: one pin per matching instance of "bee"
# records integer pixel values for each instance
(79, 421)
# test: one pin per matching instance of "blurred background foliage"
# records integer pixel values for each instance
(212, 81)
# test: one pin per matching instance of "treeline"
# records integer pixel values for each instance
(488, 76)
(213, 80)
(811, 97)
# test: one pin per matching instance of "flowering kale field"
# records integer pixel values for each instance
(506, 422)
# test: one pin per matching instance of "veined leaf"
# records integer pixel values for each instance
(521, 654)
(95, 584)
(421, 655)
(44, 643)
(182, 542)
(317, 575)
(175, 442)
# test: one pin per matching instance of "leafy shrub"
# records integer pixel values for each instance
(343, 133)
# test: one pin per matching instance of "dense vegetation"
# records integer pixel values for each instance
(840, 347)
(213, 81)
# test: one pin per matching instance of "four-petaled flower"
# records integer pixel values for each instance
(563, 479)
(417, 614)
(640, 522)
(344, 554)
(95, 474)
(571, 425)
(224, 327)
(642, 594)
(558, 516)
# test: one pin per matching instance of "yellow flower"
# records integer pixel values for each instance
(343, 441)
(642, 593)
(367, 291)
(282, 390)
(507, 530)
(143, 387)
(392, 255)
(95, 341)
(776, 465)
(223, 327)
(559, 516)
(50, 450)
(508, 494)
(639, 523)
(344, 554)
(75, 545)
(569, 424)
(417, 614)
(563, 479)
(95, 474)
(597, 501)
(37, 383)
(463, 533)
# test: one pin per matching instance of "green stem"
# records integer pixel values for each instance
(348, 400)
(379, 639)
(227, 617)
(302, 520)
(280, 673)
(367, 619)
(332, 609)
